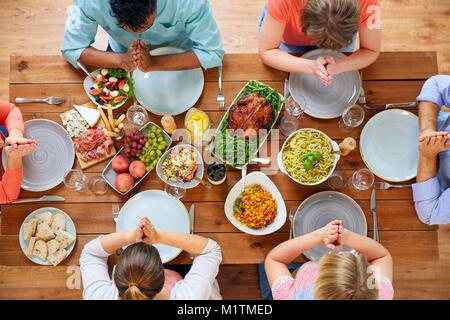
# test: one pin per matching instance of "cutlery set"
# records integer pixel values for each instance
(380, 186)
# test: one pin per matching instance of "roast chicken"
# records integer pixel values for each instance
(251, 113)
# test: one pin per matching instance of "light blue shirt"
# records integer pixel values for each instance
(432, 197)
(186, 24)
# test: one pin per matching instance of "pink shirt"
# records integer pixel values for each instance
(302, 287)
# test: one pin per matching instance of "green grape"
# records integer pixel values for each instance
(158, 153)
(154, 129)
(158, 130)
(161, 147)
(160, 139)
(149, 168)
(155, 162)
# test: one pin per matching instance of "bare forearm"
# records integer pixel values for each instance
(280, 60)
(364, 245)
(97, 58)
(426, 169)
(357, 60)
(112, 242)
(179, 61)
(287, 251)
(428, 113)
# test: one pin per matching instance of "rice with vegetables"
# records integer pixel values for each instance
(255, 208)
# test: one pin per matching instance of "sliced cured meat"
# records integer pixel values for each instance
(93, 144)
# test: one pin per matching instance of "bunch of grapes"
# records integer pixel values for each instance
(153, 148)
(134, 143)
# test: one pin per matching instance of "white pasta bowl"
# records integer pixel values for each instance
(256, 177)
(336, 155)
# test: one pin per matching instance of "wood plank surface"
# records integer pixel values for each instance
(236, 67)
(239, 248)
(397, 221)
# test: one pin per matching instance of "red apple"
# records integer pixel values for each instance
(137, 169)
(124, 182)
(120, 164)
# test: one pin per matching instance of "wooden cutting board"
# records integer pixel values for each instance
(112, 149)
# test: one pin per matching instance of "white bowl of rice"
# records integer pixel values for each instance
(304, 141)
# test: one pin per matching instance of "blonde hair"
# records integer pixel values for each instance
(332, 22)
(139, 272)
(344, 276)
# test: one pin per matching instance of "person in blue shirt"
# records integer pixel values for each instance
(137, 26)
(432, 190)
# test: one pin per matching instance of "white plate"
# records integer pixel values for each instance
(325, 102)
(45, 167)
(89, 83)
(168, 92)
(70, 229)
(185, 185)
(389, 145)
(320, 209)
(334, 145)
(163, 210)
(267, 184)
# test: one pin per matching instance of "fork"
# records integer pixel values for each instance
(49, 100)
(115, 209)
(220, 96)
(385, 185)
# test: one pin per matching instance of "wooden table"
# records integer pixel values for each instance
(394, 77)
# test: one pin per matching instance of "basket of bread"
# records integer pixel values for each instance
(47, 236)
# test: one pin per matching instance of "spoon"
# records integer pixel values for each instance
(85, 70)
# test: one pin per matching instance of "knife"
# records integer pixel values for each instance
(191, 214)
(391, 105)
(374, 214)
(41, 199)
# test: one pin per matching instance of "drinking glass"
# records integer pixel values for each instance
(338, 180)
(352, 117)
(75, 180)
(137, 116)
(289, 121)
(175, 191)
(361, 180)
(97, 185)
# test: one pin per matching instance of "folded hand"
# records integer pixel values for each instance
(332, 235)
(431, 146)
(143, 57)
(20, 150)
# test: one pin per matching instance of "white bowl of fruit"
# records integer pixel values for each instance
(139, 155)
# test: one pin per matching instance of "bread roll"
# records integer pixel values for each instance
(65, 239)
(57, 257)
(53, 246)
(44, 217)
(29, 229)
(58, 223)
(31, 246)
(40, 250)
(44, 232)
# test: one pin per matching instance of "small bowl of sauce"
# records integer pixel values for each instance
(216, 173)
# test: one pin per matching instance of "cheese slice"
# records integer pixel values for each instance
(90, 115)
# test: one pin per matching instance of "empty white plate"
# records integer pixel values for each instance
(389, 145)
(168, 92)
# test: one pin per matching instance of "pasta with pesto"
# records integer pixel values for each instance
(304, 142)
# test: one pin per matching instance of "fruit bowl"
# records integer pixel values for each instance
(126, 164)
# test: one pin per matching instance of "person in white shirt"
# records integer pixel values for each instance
(140, 274)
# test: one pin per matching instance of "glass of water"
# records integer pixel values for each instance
(75, 180)
(289, 121)
(352, 117)
(175, 191)
(137, 116)
(361, 180)
(338, 180)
